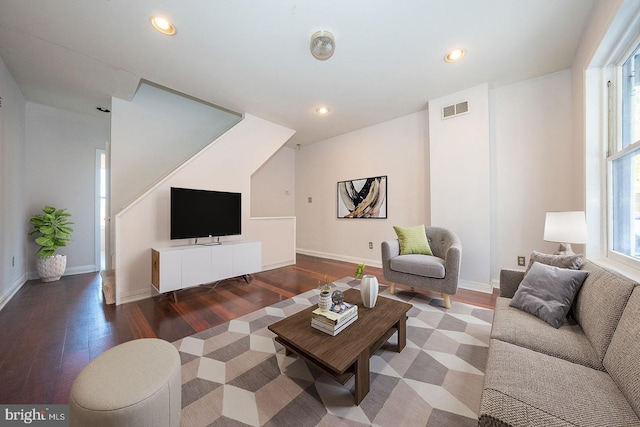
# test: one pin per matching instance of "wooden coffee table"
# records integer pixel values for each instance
(347, 353)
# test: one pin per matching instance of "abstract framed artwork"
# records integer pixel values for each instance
(363, 198)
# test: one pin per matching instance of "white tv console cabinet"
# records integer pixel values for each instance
(180, 267)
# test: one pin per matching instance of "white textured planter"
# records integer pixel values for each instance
(51, 268)
(324, 302)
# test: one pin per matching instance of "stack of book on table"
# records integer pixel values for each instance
(335, 319)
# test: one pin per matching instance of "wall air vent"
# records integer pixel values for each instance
(455, 110)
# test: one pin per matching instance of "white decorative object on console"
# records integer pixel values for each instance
(182, 267)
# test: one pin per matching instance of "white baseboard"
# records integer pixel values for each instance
(15, 287)
(143, 294)
(338, 257)
(135, 296)
(278, 265)
(463, 284)
(69, 271)
(81, 270)
(475, 286)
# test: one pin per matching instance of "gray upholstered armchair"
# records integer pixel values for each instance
(438, 273)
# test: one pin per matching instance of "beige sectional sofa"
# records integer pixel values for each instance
(584, 373)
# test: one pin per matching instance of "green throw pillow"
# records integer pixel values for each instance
(413, 240)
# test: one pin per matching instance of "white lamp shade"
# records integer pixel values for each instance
(565, 227)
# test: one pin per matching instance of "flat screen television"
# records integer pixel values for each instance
(204, 213)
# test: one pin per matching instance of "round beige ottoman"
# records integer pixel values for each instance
(137, 383)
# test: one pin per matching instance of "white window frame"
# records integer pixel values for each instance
(614, 143)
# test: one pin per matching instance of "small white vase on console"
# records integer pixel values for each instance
(369, 290)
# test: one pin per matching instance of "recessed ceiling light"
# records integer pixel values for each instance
(163, 25)
(322, 110)
(454, 55)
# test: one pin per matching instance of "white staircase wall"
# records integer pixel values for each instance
(225, 165)
(153, 134)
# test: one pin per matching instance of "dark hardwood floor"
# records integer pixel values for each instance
(50, 331)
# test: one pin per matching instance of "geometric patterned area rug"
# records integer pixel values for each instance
(235, 374)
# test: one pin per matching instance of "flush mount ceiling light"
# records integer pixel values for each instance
(322, 45)
(322, 110)
(454, 55)
(163, 25)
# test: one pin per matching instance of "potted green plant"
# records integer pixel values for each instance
(52, 230)
(359, 271)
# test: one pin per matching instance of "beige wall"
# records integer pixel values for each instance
(273, 186)
(398, 149)
(144, 224)
(13, 212)
(459, 176)
(533, 164)
(61, 172)
(523, 168)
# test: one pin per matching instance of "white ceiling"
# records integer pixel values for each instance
(253, 55)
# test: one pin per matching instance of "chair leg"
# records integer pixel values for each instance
(392, 290)
(447, 301)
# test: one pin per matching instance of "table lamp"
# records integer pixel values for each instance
(565, 228)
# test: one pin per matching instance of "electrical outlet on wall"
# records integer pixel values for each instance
(370, 245)
(521, 261)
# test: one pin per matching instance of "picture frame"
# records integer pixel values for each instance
(362, 198)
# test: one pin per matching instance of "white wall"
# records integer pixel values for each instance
(13, 213)
(491, 175)
(533, 164)
(460, 179)
(278, 237)
(224, 165)
(162, 129)
(60, 171)
(273, 186)
(397, 149)
(610, 23)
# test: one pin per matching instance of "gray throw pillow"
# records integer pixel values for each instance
(563, 261)
(547, 292)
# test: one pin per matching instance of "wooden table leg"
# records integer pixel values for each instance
(402, 333)
(287, 351)
(362, 376)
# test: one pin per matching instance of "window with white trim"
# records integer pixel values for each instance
(624, 159)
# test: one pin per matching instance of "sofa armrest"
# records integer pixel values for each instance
(452, 262)
(509, 282)
(390, 249)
